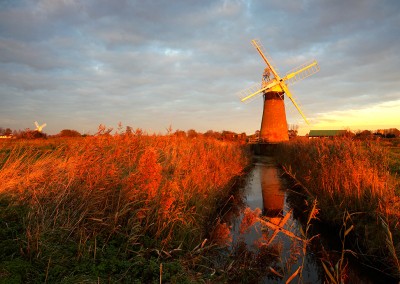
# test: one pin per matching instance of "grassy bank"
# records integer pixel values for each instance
(355, 185)
(111, 208)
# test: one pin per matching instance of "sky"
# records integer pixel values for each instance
(156, 65)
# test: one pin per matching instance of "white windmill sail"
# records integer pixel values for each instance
(39, 128)
(276, 83)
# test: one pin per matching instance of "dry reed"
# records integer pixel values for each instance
(154, 192)
(349, 177)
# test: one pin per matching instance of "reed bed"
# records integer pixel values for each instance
(110, 208)
(351, 178)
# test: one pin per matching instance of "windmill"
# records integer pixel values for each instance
(273, 87)
(39, 128)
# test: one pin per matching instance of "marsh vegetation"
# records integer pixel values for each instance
(139, 208)
(129, 207)
(357, 188)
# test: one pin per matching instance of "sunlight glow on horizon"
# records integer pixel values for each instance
(380, 116)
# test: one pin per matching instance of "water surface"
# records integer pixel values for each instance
(266, 189)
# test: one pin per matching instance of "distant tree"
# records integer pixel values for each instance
(180, 133)
(8, 131)
(191, 133)
(5, 131)
(36, 134)
(348, 133)
(242, 136)
(390, 135)
(228, 135)
(209, 133)
(364, 134)
(30, 134)
(396, 132)
(18, 133)
(293, 130)
(213, 134)
(69, 133)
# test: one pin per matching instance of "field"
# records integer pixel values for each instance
(132, 207)
(356, 186)
(139, 208)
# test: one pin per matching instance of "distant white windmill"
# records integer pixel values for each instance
(39, 128)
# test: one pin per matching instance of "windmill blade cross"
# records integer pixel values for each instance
(274, 123)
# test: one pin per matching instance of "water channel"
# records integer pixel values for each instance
(267, 189)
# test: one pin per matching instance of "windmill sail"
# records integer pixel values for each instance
(301, 72)
(274, 124)
(260, 48)
(289, 94)
(39, 128)
(249, 94)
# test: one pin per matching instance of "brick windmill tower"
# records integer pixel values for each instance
(274, 125)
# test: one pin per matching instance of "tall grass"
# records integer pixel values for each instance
(109, 204)
(349, 174)
(354, 177)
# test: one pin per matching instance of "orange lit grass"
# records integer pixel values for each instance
(348, 173)
(351, 178)
(163, 187)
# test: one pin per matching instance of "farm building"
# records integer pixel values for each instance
(326, 133)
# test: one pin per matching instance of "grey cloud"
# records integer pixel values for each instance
(37, 56)
(160, 62)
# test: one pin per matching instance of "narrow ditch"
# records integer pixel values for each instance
(281, 227)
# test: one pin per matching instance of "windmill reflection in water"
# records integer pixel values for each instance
(273, 202)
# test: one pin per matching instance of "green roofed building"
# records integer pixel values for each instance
(326, 133)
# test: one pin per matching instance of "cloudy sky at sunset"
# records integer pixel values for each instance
(151, 64)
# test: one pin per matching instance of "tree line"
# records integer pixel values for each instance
(103, 130)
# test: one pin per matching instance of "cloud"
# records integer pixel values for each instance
(155, 63)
